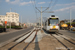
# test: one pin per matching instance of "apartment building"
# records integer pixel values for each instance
(10, 17)
(2, 19)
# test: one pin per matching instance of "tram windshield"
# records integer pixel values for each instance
(54, 21)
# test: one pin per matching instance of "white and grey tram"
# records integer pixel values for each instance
(51, 24)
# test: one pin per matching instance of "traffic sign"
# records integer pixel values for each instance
(5, 22)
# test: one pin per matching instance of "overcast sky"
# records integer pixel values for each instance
(26, 8)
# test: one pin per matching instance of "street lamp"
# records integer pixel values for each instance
(10, 19)
(70, 19)
(21, 21)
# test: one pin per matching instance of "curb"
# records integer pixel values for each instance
(9, 32)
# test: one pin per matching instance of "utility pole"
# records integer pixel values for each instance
(43, 12)
(39, 21)
(70, 19)
(21, 21)
(41, 17)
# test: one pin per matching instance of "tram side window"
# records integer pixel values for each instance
(45, 23)
(48, 22)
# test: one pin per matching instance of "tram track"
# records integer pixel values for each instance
(66, 42)
(31, 41)
(57, 41)
(61, 43)
(20, 41)
(67, 38)
(12, 44)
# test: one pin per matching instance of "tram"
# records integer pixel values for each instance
(52, 24)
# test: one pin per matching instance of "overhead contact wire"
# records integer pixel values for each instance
(54, 4)
(48, 6)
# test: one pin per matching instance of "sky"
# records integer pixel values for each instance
(26, 8)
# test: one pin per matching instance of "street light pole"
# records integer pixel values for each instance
(10, 19)
(70, 19)
(21, 21)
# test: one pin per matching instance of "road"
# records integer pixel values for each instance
(9, 36)
(68, 33)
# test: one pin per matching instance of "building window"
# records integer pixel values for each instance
(8, 16)
(13, 15)
(16, 19)
(12, 19)
(8, 19)
(3, 19)
(1, 16)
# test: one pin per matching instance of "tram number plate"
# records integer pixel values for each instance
(54, 26)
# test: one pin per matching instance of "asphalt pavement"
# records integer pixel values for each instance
(11, 35)
(70, 34)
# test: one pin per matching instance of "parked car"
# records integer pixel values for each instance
(73, 29)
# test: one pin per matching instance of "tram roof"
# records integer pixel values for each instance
(53, 17)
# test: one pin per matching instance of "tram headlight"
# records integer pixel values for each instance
(51, 27)
(56, 27)
(49, 24)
